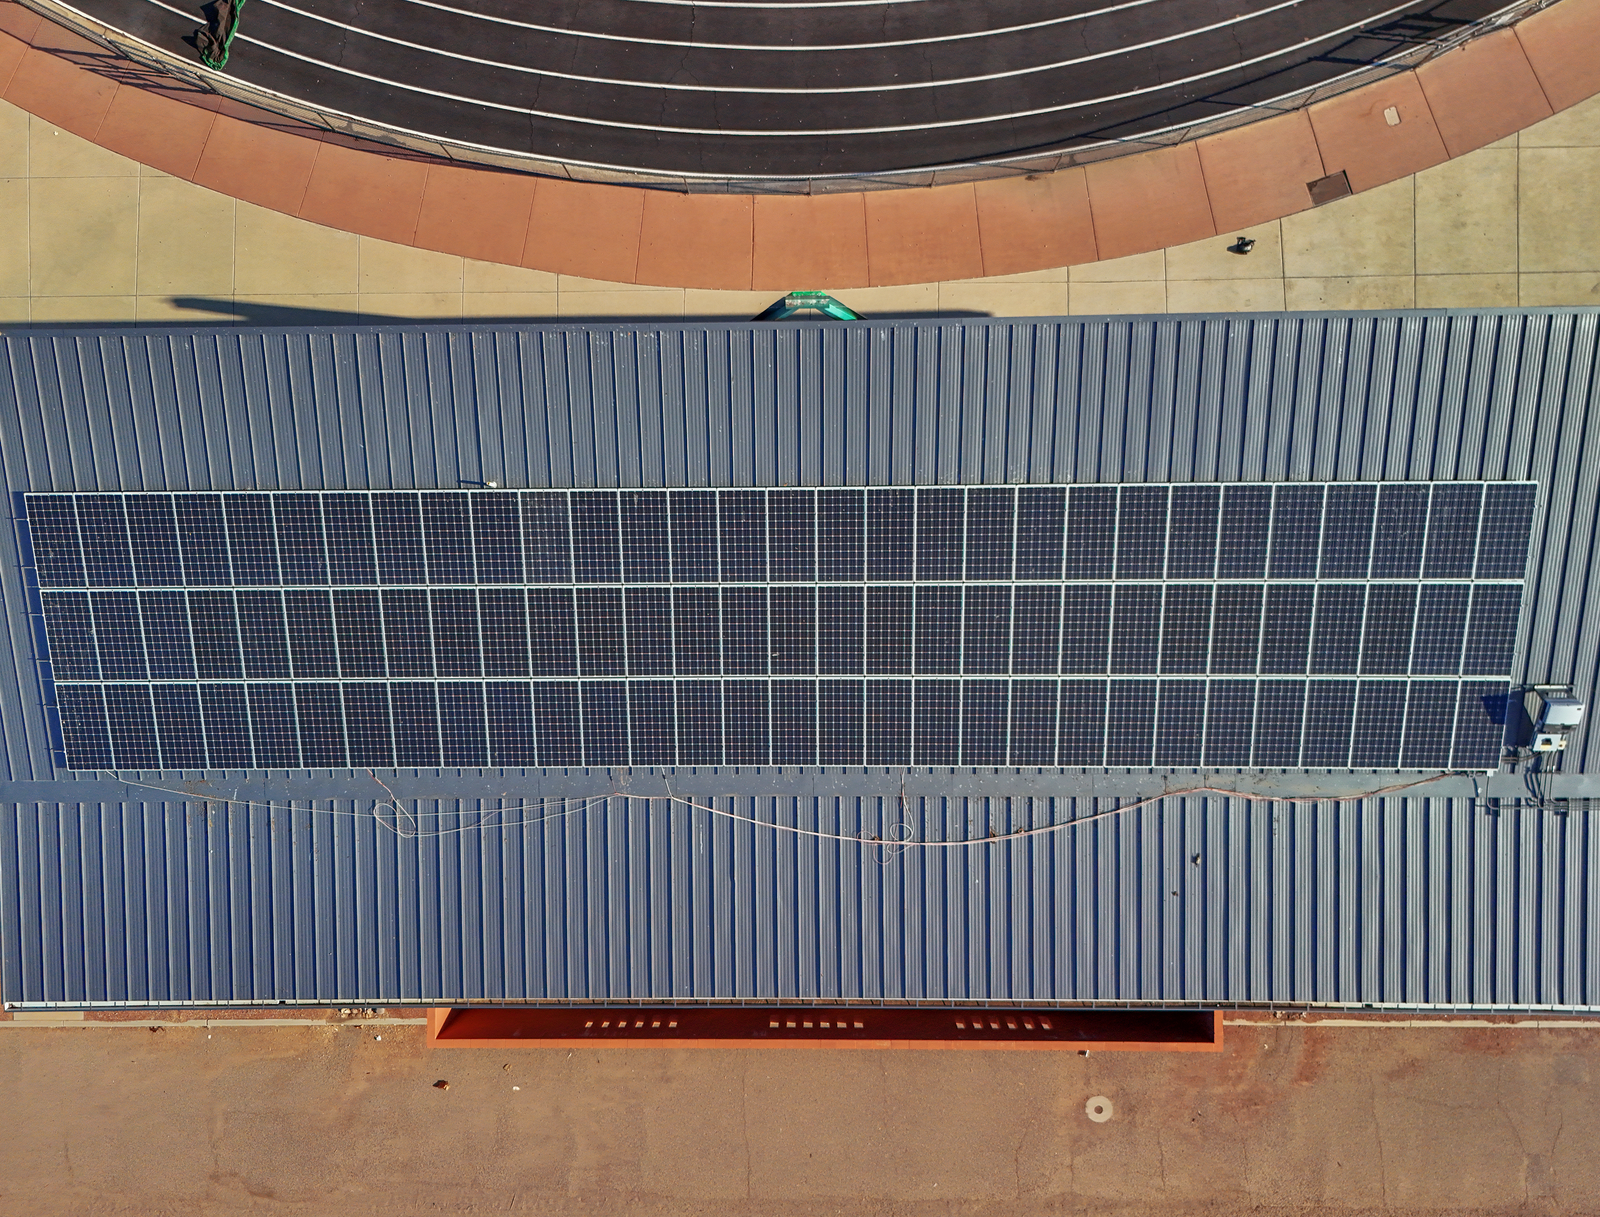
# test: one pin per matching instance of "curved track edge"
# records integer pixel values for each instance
(1480, 92)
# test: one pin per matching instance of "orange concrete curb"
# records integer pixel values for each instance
(1487, 89)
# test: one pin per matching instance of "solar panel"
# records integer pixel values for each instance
(1303, 624)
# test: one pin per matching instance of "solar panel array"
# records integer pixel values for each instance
(1292, 625)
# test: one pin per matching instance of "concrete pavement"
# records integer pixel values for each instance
(1292, 1117)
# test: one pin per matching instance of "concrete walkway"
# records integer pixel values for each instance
(90, 236)
(1447, 1117)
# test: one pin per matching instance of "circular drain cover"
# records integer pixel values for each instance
(1098, 1109)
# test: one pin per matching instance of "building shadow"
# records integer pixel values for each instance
(213, 313)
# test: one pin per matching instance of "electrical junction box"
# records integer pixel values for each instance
(1559, 716)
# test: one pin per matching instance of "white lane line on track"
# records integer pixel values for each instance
(740, 46)
(829, 91)
(820, 131)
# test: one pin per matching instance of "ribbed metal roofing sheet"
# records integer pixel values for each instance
(1411, 901)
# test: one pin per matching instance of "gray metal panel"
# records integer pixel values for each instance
(1188, 901)
(1419, 901)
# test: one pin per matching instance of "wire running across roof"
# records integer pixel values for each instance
(755, 627)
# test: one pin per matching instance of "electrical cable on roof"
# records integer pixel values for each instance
(405, 827)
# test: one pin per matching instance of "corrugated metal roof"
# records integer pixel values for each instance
(1412, 901)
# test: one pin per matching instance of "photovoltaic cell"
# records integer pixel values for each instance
(547, 538)
(1296, 532)
(1336, 635)
(1135, 628)
(1082, 717)
(990, 513)
(699, 705)
(1091, 532)
(693, 515)
(1452, 532)
(1280, 721)
(1329, 717)
(397, 534)
(298, 629)
(1142, 532)
(1286, 628)
(1130, 723)
(987, 648)
(1230, 723)
(1400, 524)
(646, 557)
(1033, 723)
(1480, 724)
(1430, 723)
(1380, 713)
(890, 535)
(302, 548)
(1242, 539)
(605, 722)
(839, 715)
(168, 648)
(1347, 531)
(1503, 540)
(107, 560)
(447, 538)
(888, 722)
(841, 534)
(889, 624)
(1036, 630)
(1186, 627)
(936, 720)
(652, 723)
(743, 535)
(1085, 628)
(939, 529)
(792, 531)
(180, 731)
(1236, 634)
(1441, 621)
(74, 649)
(203, 542)
(984, 722)
(496, 538)
(508, 713)
(1178, 733)
(1491, 629)
(744, 632)
(794, 722)
(1041, 514)
(320, 713)
(153, 538)
(56, 547)
(557, 723)
(1386, 646)
(596, 545)
(367, 726)
(463, 731)
(1192, 537)
(407, 632)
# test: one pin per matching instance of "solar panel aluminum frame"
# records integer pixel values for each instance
(1180, 687)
